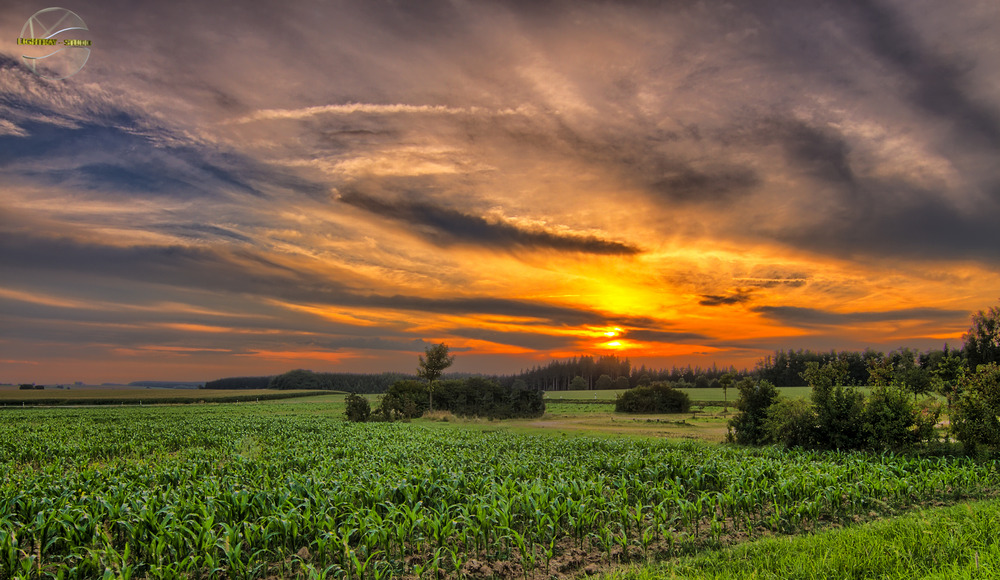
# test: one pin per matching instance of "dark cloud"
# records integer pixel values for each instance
(864, 214)
(936, 83)
(738, 297)
(241, 271)
(691, 185)
(870, 49)
(807, 317)
(894, 219)
(375, 343)
(819, 151)
(558, 315)
(866, 131)
(85, 140)
(531, 340)
(196, 267)
(771, 278)
(665, 336)
(444, 226)
(111, 155)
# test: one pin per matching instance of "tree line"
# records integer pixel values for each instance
(611, 372)
(786, 368)
(893, 415)
(306, 379)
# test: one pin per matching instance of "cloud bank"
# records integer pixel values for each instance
(341, 184)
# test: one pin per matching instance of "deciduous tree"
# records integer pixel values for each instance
(982, 342)
(433, 366)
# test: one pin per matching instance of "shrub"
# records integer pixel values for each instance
(974, 412)
(889, 419)
(839, 410)
(405, 400)
(656, 398)
(926, 416)
(791, 422)
(747, 426)
(358, 409)
(476, 396)
(840, 417)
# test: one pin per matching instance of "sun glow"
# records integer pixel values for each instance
(619, 345)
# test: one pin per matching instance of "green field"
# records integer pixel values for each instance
(289, 489)
(93, 395)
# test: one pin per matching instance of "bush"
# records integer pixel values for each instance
(889, 419)
(479, 397)
(474, 396)
(747, 427)
(791, 422)
(407, 399)
(656, 398)
(358, 409)
(925, 419)
(839, 410)
(840, 417)
(974, 412)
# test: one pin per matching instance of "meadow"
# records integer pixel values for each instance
(290, 489)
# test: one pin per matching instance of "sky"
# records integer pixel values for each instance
(230, 189)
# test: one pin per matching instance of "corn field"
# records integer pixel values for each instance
(250, 492)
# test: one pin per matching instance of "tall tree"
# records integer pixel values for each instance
(982, 342)
(433, 366)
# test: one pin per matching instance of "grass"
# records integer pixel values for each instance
(952, 542)
(708, 424)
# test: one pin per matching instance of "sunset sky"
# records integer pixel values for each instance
(247, 188)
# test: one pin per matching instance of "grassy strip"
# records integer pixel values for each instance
(954, 542)
(117, 399)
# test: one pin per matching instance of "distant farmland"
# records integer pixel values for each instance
(88, 395)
